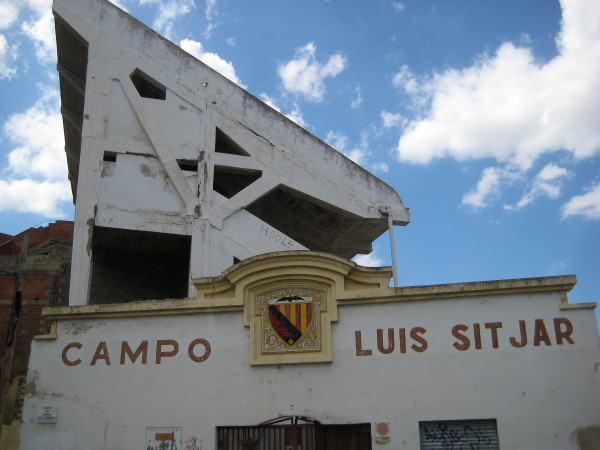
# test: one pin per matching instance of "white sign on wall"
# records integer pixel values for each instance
(47, 414)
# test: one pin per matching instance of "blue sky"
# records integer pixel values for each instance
(483, 115)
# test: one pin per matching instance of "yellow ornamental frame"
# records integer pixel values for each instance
(312, 298)
(258, 284)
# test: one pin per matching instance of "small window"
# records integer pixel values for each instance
(479, 433)
(110, 157)
(147, 87)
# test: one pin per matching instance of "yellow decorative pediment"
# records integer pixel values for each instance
(290, 300)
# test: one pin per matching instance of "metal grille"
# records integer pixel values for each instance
(295, 436)
(479, 434)
(302, 437)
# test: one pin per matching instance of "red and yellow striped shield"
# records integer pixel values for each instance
(290, 317)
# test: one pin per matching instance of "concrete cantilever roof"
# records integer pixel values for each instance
(299, 184)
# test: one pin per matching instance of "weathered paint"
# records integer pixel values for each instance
(141, 185)
(399, 356)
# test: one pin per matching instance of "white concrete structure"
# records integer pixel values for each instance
(157, 142)
(419, 360)
(175, 163)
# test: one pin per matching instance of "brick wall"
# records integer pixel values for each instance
(43, 268)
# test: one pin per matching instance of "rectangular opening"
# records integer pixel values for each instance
(110, 157)
(188, 165)
(130, 265)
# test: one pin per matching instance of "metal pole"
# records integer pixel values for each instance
(393, 249)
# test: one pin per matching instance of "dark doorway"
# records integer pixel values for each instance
(295, 433)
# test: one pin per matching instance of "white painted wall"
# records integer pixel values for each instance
(155, 134)
(538, 394)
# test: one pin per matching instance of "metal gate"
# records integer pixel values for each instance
(295, 433)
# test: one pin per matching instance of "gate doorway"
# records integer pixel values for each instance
(295, 433)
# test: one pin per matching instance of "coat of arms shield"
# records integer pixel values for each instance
(290, 316)
(291, 319)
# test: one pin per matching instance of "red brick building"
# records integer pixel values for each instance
(34, 272)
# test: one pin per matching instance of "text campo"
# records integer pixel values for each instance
(198, 351)
(476, 336)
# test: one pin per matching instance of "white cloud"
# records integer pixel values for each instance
(391, 119)
(211, 13)
(121, 5)
(168, 12)
(510, 107)
(557, 267)
(35, 178)
(230, 41)
(296, 116)
(548, 182)
(9, 11)
(357, 100)
(487, 186)
(305, 76)
(398, 6)
(40, 30)
(359, 153)
(5, 55)
(380, 167)
(213, 60)
(370, 260)
(407, 80)
(339, 141)
(30, 196)
(269, 101)
(38, 135)
(585, 205)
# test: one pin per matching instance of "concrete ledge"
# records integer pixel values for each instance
(567, 306)
(560, 284)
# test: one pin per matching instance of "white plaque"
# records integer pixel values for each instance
(47, 414)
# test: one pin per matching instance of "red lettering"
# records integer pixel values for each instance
(560, 334)
(390, 347)
(166, 354)
(358, 343)
(68, 347)
(414, 334)
(206, 353)
(141, 350)
(402, 334)
(477, 336)
(540, 334)
(464, 340)
(493, 327)
(101, 353)
(523, 331)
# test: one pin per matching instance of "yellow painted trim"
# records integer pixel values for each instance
(351, 284)
(52, 334)
(135, 309)
(567, 306)
(562, 284)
